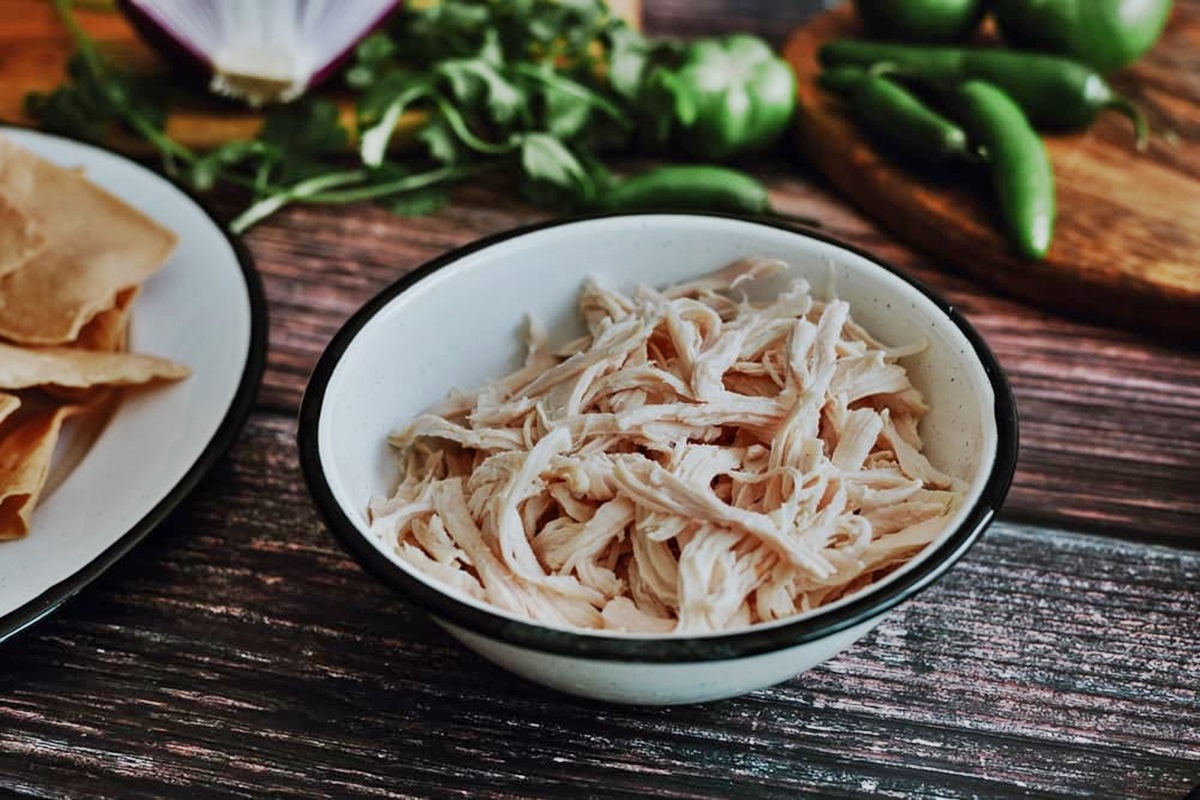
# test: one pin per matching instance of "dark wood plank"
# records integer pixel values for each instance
(239, 652)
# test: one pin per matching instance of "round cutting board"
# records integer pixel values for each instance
(1127, 243)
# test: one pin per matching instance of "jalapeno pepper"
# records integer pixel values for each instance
(1054, 92)
(896, 118)
(920, 20)
(687, 187)
(1022, 177)
(733, 96)
(1104, 34)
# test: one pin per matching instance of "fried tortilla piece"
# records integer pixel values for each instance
(106, 331)
(95, 246)
(20, 236)
(26, 367)
(8, 404)
(26, 447)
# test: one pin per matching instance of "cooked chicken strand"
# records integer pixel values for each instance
(697, 462)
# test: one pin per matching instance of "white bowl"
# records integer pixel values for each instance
(456, 323)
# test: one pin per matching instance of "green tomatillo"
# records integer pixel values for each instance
(1104, 34)
(732, 96)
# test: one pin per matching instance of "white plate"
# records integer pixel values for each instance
(117, 476)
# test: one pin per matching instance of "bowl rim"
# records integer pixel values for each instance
(650, 649)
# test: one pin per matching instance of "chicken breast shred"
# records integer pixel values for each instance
(697, 462)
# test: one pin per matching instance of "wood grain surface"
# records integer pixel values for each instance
(1127, 241)
(238, 652)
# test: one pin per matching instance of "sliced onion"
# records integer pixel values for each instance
(260, 51)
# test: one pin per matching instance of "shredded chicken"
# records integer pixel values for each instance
(697, 462)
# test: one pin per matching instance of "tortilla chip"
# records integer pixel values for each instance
(95, 246)
(106, 331)
(26, 447)
(26, 367)
(20, 237)
(8, 404)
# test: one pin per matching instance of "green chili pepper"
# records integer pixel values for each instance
(1022, 177)
(733, 96)
(687, 187)
(1054, 92)
(1104, 34)
(896, 118)
(920, 20)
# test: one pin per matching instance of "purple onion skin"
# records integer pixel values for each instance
(187, 63)
(194, 68)
(323, 74)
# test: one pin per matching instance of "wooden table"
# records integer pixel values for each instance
(240, 652)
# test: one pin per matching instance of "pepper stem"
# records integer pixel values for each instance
(1141, 128)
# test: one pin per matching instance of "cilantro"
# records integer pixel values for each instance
(475, 82)
(419, 203)
(547, 161)
(305, 128)
(628, 55)
(380, 109)
(535, 88)
(206, 171)
(567, 112)
(444, 147)
(372, 53)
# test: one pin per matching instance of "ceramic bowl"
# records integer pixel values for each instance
(456, 323)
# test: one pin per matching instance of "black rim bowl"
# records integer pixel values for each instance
(650, 649)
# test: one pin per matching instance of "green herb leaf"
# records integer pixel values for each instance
(373, 142)
(442, 143)
(387, 86)
(546, 159)
(308, 127)
(372, 56)
(567, 113)
(147, 97)
(67, 112)
(206, 171)
(474, 80)
(418, 203)
(627, 60)
(665, 101)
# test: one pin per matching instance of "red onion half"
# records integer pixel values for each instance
(260, 51)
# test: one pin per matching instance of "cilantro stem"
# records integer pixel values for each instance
(83, 42)
(269, 205)
(169, 148)
(314, 190)
(406, 184)
(551, 78)
(373, 145)
(455, 119)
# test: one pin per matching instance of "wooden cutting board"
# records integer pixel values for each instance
(1127, 244)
